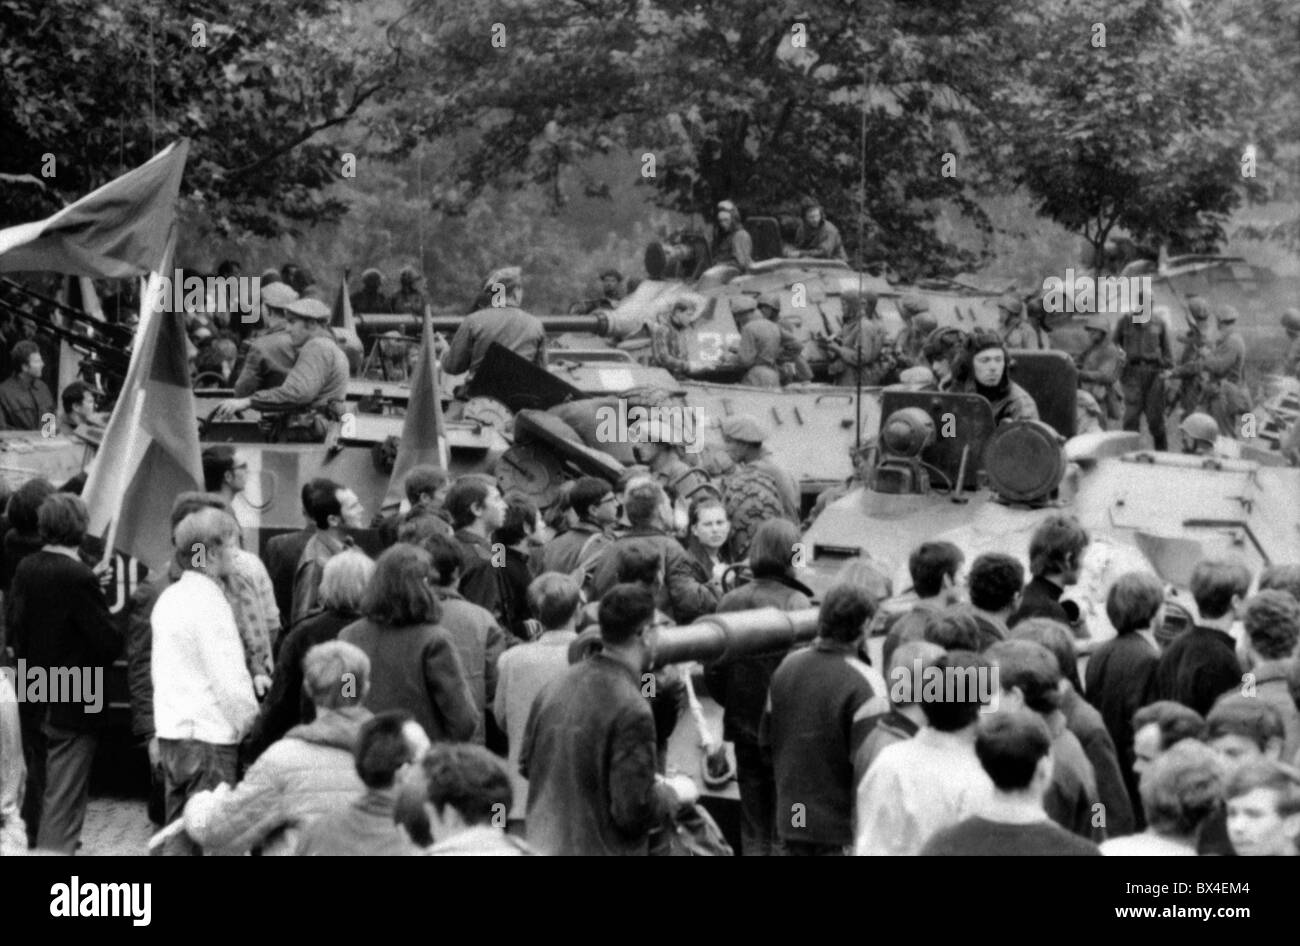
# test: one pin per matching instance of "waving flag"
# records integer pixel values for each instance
(424, 434)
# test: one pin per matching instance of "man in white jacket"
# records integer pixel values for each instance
(203, 695)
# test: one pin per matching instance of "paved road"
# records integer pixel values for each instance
(116, 827)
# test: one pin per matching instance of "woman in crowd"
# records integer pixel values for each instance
(706, 543)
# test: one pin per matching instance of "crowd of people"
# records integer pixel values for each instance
(485, 684)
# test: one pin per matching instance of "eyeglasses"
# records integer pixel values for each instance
(240, 466)
(608, 499)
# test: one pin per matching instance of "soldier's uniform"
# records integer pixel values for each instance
(1188, 369)
(821, 242)
(1014, 330)
(318, 382)
(370, 298)
(760, 346)
(1291, 361)
(270, 355)
(667, 348)
(681, 481)
(909, 343)
(735, 247)
(861, 344)
(506, 325)
(747, 430)
(791, 364)
(1147, 353)
(408, 299)
(1225, 397)
(1099, 370)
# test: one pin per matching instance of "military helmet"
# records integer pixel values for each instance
(771, 300)
(1228, 315)
(1200, 426)
(744, 428)
(913, 304)
(924, 323)
(742, 304)
(1009, 302)
(1291, 320)
(1198, 308)
(409, 276)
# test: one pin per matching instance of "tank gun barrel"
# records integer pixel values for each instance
(734, 634)
(378, 322)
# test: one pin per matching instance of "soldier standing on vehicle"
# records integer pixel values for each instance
(743, 438)
(1012, 326)
(318, 381)
(668, 347)
(792, 366)
(1291, 362)
(760, 345)
(918, 323)
(817, 237)
(371, 297)
(271, 353)
(1099, 368)
(858, 351)
(732, 244)
(1187, 372)
(1147, 355)
(1225, 397)
(409, 299)
(501, 321)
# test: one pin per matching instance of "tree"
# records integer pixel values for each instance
(1135, 119)
(754, 101)
(253, 83)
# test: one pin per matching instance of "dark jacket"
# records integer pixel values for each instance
(286, 705)
(501, 591)
(1197, 668)
(589, 756)
(816, 694)
(363, 829)
(139, 651)
(1086, 723)
(682, 595)
(281, 560)
(17, 546)
(1041, 599)
(1120, 680)
(57, 618)
(740, 686)
(417, 669)
(24, 402)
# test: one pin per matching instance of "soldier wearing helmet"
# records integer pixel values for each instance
(1224, 396)
(1291, 362)
(817, 237)
(856, 354)
(371, 297)
(985, 369)
(791, 364)
(501, 321)
(732, 244)
(1144, 340)
(1013, 329)
(759, 349)
(409, 298)
(1201, 437)
(1099, 368)
(918, 323)
(1196, 345)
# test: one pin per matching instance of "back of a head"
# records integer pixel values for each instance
(1215, 582)
(954, 628)
(335, 675)
(995, 580)
(866, 575)
(844, 613)
(642, 503)
(469, 779)
(638, 562)
(1181, 788)
(218, 460)
(1175, 721)
(25, 504)
(624, 610)
(62, 520)
(321, 499)
(1056, 638)
(586, 492)
(1133, 601)
(1009, 746)
(344, 579)
(929, 563)
(382, 748)
(1056, 545)
(919, 624)
(1281, 578)
(520, 522)
(961, 694)
(188, 502)
(772, 550)
(198, 535)
(906, 668)
(399, 593)
(467, 492)
(554, 598)
(1235, 714)
(1272, 622)
(443, 552)
(1032, 669)
(423, 479)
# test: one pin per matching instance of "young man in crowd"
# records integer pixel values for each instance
(466, 792)
(476, 508)
(1264, 809)
(1201, 664)
(334, 509)
(1056, 561)
(595, 505)
(1272, 622)
(994, 583)
(1015, 749)
(905, 717)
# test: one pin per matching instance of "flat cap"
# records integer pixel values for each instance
(742, 304)
(744, 428)
(278, 295)
(912, 303)
(1198, 308)
(511, 277)
(309, 308)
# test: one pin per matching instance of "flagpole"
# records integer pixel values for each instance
(137, 416)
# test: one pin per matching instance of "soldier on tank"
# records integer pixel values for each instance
(271, 353)
(791, 365)
(1291, 361)
(985, 369)
(857, 354)
(759, 348)
(668, 349)
(817, 237)
(918, 323)
(501, 321)
(1201, 437)
(732, 244)
(1144, 340)
(1196, 345)
(941, 352)
(743, 438)
(371, 297)
(1224, 396)
(409, 299)
(1015, 331)
(1099, 368)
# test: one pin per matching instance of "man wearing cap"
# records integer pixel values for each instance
(1291, 324)
(760, 345)
(667, 334)
(986, 370)
(1011, 324)
(1099, 367)
(1225, 397)
(791, 364)
(1144, 340)
(732, 244)
(501, 321)
(918, 323)
(743, 437)
(271, 353)
(78, 400)
(409, 299)
(371, 298)
(858, 351)
(817, 237)
(1195, 341)
(318, 380)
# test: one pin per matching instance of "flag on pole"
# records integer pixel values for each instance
(116, 231)
(424, 435)
(150, 450)
(342, 315)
